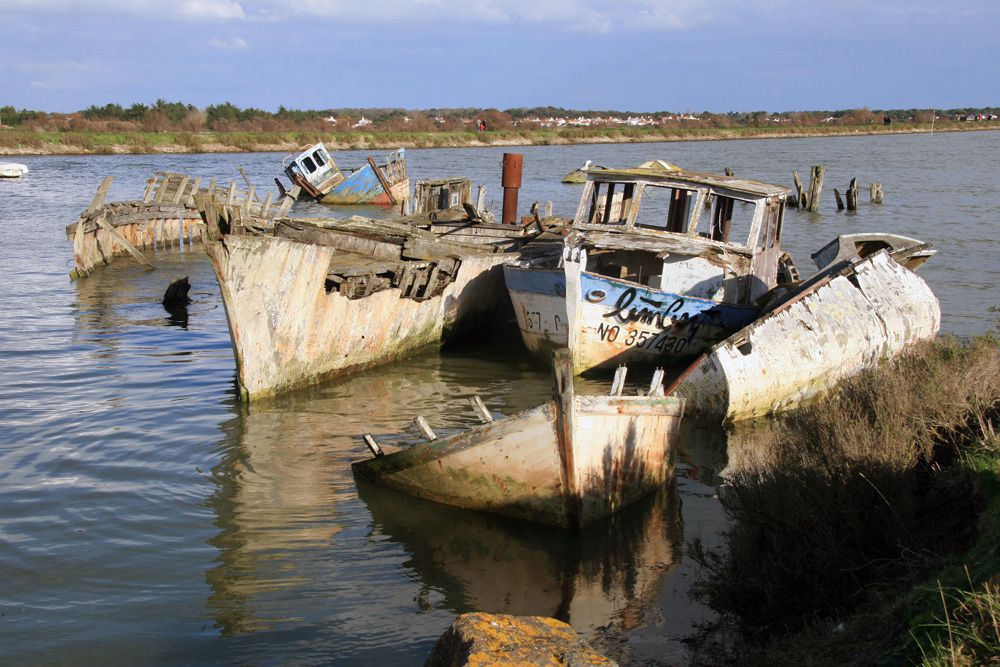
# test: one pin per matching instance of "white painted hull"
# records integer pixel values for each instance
(606, 322)
(568, 462)
(801, 350)
(13, 170)
(288, 331)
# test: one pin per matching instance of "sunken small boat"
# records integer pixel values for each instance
(314, 171)
(864, 305)
(165, 217)
(568, 462)
(311, 298)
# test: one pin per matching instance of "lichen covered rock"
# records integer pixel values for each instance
(487, 640)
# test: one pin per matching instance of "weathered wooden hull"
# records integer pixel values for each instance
(288, 330)
(363, 187)
(566, 463)
(145, 227)
(607, 322)
(842, 323)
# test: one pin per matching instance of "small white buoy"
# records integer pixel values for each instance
(12, 170)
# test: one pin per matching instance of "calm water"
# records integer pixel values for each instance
(147, 517)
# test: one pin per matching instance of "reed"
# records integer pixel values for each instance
(871, 489)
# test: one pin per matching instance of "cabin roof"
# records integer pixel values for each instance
(734, 184)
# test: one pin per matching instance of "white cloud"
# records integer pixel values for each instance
(594, 16)
(188, 10)
(234, 44)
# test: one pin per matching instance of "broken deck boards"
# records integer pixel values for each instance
(165, 217)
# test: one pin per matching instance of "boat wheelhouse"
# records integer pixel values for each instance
(315, 172)
(662, 263)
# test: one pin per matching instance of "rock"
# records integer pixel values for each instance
(487, 640)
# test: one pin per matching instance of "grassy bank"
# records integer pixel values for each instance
(15, 141)
(871, 535)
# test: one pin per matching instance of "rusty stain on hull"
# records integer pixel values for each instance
(843, 322)
(567, 462)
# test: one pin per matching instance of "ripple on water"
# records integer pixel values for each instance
(147, 512)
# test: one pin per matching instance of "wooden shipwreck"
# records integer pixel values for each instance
(665, 266)
(313, 170)
(567, 462)
(165, 217)
(662, 264)
(864, 306)
(308, 299)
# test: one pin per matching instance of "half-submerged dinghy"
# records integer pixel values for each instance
(567, 462)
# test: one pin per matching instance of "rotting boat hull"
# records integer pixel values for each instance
(289, 331)
(568, 462)
(841, 323)
(363, 187)
(606, 322)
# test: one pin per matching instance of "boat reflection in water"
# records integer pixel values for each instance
(606, 575)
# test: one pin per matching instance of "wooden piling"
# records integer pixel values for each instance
(840, 201)
(801, 197)
(875, 192)
(852, 195)
(815, 185)
(176, 295)
(730, 172)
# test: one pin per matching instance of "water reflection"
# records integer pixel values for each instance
(605, 576)
(274, 500)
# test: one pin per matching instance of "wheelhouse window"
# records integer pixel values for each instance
(308, 164)
(611, 203)
(666, 209)
(318, 156)
(731, 220)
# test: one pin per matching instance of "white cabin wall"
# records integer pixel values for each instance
(692, 276)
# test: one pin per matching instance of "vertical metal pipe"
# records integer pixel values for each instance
(512, 163)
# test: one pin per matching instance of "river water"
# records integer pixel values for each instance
(146, 516)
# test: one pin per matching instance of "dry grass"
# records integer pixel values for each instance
(865, 490)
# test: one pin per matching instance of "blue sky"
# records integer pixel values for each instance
(641, 55)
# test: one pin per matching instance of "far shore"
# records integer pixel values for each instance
(17, 142)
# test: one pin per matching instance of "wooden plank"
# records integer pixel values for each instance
(266, 206)
(656, 384)
(480, 409)
(161, 190)
(124, 242)
(562, 391)
(382, 181)
(102, 192)
(619, 382)
(372, 445)
(179, 195)
(425, 428)
(147, 195)
(189, 200)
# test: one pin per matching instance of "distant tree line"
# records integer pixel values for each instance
(166, 116)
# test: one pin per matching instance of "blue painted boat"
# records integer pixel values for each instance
(661, 265)
(319, 177)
